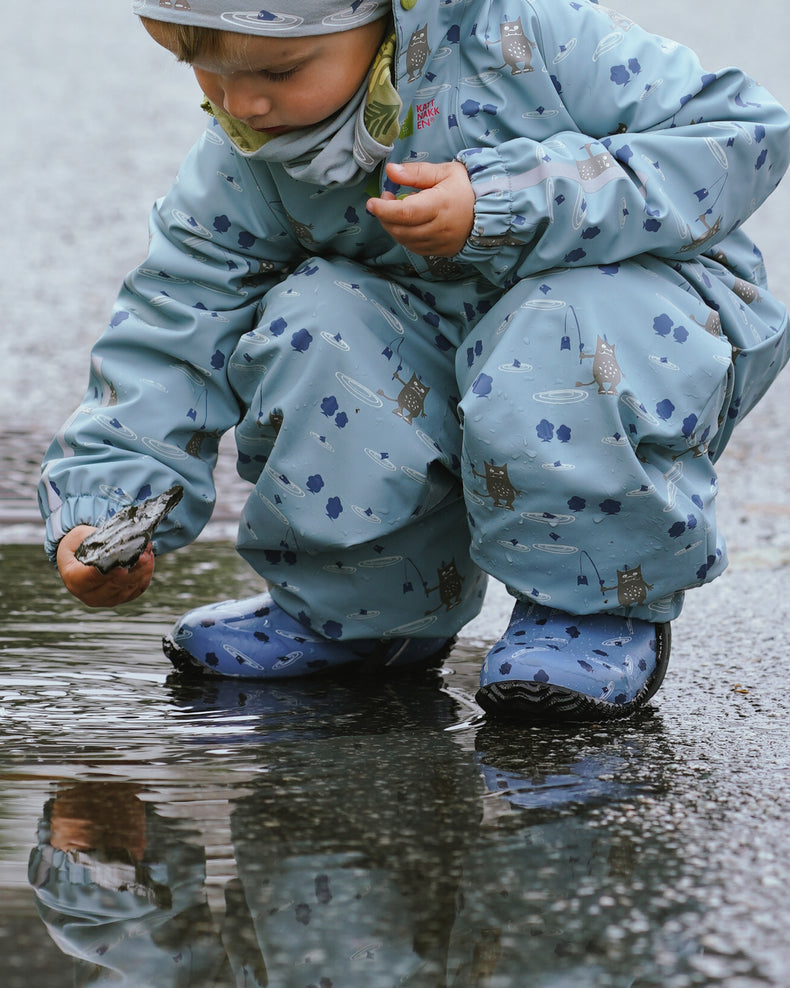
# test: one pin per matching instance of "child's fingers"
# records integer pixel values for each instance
(414, 210)
(120, 585)
(97, 589)
(420, 174)
(438, 218)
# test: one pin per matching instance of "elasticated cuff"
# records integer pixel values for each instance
(493, 211)
(85, 509)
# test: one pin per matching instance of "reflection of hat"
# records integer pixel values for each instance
(279, 18)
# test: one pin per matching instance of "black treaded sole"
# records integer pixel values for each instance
(181, 660)
(187, 665)
(531, 701)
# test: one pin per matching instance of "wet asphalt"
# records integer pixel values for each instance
(692, 886)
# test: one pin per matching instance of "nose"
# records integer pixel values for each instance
(242, 97)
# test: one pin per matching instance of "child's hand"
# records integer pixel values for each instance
(97, 589)
(435, 221)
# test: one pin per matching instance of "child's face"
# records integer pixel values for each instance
(278, 84)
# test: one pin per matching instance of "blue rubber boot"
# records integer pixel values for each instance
(256, 639)
(553, 666)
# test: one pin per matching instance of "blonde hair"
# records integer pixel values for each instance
(186, 41)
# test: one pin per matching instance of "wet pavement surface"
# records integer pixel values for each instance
(386, 830)
(335, 833)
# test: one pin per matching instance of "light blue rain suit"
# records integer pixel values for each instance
(545, 407)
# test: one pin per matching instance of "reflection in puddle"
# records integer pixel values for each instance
(121, 890)
(161, 832)
(345, 855)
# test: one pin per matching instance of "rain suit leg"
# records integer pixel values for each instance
(351, 437)
(595, 401)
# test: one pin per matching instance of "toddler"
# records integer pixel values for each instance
(468, 281)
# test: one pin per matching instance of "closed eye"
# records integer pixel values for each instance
(278, 76)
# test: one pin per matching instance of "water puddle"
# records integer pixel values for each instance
(155, 831)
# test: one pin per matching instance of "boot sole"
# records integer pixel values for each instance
(187, 665)
(182, 661)
(530, 701)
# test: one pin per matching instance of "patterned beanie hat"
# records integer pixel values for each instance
(279, 18)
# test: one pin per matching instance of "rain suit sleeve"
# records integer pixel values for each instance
(158, 397)
(652, 155)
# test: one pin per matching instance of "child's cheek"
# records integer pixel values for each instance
(210, 86)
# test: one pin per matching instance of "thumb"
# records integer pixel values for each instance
(418, 174)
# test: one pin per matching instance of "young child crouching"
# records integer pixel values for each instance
(469, 283)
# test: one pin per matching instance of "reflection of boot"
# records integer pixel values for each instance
(303, 710)
(256, 639)
(556, 769)
(553, 666)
